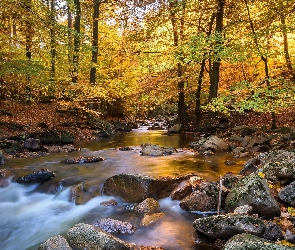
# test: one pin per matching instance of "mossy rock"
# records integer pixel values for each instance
(254, 191)
(252, 242)
(226, 226)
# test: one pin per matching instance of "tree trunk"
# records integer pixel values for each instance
(286, 47)
(52, 40)
(77, 41)
(96, 6)
(214, 74)
(70, 40)
(176, 37)
(198, 93)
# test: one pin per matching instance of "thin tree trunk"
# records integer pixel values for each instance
(70, 40)
(286, 47)
(96, 6)
(52, 41)
(198, 93)
(77, 41)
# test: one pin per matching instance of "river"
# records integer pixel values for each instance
(28, 217)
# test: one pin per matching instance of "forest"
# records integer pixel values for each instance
(130, 58)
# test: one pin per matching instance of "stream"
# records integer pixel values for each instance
(28, 218)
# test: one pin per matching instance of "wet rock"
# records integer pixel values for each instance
(59, 148)
(122, 127)
(92, 238)
(55, 242)
(289, 236)
(5, 176)
(155, 150)
(109, 203)
(148, 205)
(51, 188)
(84, 191)
(230, 163)
(125, 148)
(240, 152)
(252, 242)
(272, 231)
(226, 226)
(254, 191)
(115, 226)
(82, 160)
(37, 177)
(204, 199)
(212, 143)
(182, 190)
(136, 188)
(150, 218)
(32, 144)
(175, 129)
(287, 194)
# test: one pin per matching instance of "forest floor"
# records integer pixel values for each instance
(34, 117)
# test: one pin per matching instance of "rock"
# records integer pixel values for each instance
(251, 166)
(229, 180)
(155, 150)
(182, 190)
(203, 241)
(55, 242)
(175, 129)
(5, 176)
(122, 127)
(272, 231)
(32, 144)
(226, 226)
(82, 160)
(59, 148)
(51, 188)
(111, 202)
(92, 238)
(254, 143)
(136, 188)
(53, 137)
(115, 226)
(37, 177)
(150, 218)
(246, 209)
(230, 163)
(125, 148)
(84, 191)
(204, 199)
(287, 194)
(148, 205)
(212, 143)
(2, 158)
(252, 242)
(253, 190)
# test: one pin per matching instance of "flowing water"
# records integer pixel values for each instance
(28, 217)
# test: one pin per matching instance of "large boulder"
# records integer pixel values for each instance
(32, 144)
(136, 188)
(212, 143)
(254, 191)
(41, 176)
(226, 226)
(85, 236)
(53, 137)
(150, 218)
(255, 143)
(115, 226)
(252, 242)
(287, 194)
(204, 199)
(55, 242)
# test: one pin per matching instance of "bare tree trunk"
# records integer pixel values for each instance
(52, 40)
(70, 39)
